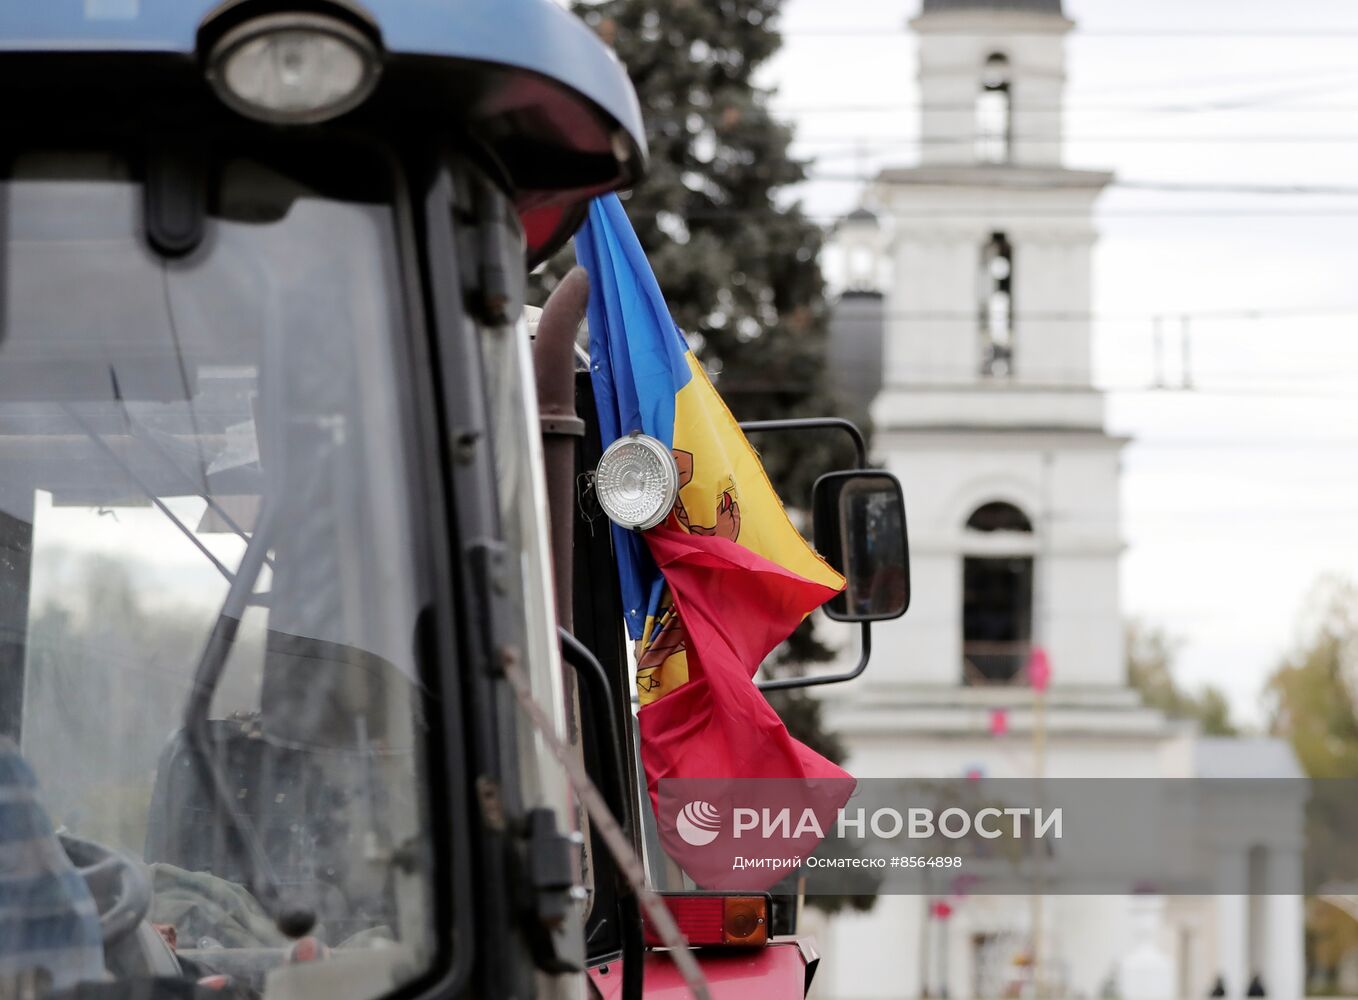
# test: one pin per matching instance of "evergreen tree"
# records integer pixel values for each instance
(738, 265)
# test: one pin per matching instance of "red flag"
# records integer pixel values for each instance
(735, 606)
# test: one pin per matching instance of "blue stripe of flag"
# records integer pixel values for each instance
(638, 365)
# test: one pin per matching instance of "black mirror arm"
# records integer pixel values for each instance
(814, 423)
(861, 449)
(864, 654)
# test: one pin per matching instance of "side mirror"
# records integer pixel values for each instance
(858, 519)
(859, 522)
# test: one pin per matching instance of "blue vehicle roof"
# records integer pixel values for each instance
(579, 100)
(534, 35)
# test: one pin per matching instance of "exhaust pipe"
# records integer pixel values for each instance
(554, 371)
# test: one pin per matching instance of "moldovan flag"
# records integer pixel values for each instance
(724, 579)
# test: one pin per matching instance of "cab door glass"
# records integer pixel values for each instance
(152, 413)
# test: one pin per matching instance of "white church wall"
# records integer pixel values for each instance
(1052, 299)
(1094, 932)
(1083, 637)
(1082, 481)
(995, 405)
(925, 342)
(947, 98)
(925, 646)
(873, 955)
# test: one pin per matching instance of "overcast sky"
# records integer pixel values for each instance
(1239, 495)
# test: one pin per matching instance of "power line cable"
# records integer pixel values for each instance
(896, 32)
(1227, 314)
(1336, 214)
(868, 142)
(1224, 104)
(897, 107)
(1130, 184)
(1233, 102)
(1257, 103)
(1180, 84)
(1329, 386)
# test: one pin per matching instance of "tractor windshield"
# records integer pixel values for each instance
(205, 485)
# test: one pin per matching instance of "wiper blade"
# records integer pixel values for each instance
(262, 881)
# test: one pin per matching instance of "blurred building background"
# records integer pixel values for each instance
(962, 331)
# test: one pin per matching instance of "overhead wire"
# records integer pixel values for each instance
(875, 141)
(1129, 184)
(895, 32)
(1224, 314)
(1265, 100)
(1337, 214)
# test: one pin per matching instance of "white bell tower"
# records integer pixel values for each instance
(988, 413)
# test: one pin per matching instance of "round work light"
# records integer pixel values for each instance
(636, 482)
(294, 69)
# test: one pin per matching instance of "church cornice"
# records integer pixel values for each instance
(1015, 436)
(942, 712)
(954, 547)
(1005, 176)
(991, 21)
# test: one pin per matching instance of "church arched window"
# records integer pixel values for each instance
(997, 594)
(996, 306)
(999, 516)
(994, 125)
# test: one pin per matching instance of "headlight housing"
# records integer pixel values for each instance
(636, 482)
(293, 69)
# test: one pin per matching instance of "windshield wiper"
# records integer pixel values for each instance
(291, 919)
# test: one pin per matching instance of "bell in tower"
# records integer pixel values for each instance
(991, 80)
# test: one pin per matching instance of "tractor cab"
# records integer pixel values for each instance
(310, 638)
(271, 494)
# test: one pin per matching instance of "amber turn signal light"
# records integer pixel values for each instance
(712, 920)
